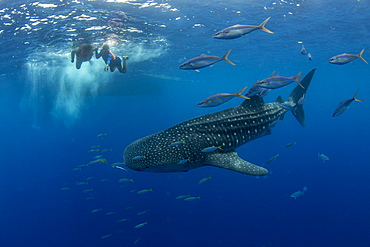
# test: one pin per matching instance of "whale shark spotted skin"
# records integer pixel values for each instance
(181, 147)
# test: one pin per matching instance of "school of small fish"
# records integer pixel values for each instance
(129, 216)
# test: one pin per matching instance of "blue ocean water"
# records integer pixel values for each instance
(52, 114)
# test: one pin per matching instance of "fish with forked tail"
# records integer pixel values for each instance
(226, 130)
(203, 61)
(237, 31)
(278, 81)
(220, 98)
(345, 104)
(346, 58)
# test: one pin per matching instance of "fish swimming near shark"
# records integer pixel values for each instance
(237, 31)
(227, 130)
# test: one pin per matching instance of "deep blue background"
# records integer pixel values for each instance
(52, 114)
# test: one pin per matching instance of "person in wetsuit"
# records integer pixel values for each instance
(83, 54)
(111, 61)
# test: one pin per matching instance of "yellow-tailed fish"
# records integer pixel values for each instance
(124, 180)
(141, 225)
(122, 220)
(204, 180)
(106, 236)
(290, 144)
(177, 143)
(182, 197)
(221, 98)
(272, 159)
(211, 149)
(192, 198)
(82, 183)
(98, 161)
(144, 191)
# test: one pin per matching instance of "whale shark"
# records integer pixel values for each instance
(212, 139)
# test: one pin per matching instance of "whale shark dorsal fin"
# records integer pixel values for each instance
(254, 103)
(232, 161)
(279, 99)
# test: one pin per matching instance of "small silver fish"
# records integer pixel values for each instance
(346, 58)
(301, 100)
(139, 157)
(237, 31)
(287, 106)
(192, 198)
(177, 143)
(145, 191)
(95, 210)
(82, 183)
(204, 180)
(254, 90)
(122, 220)
(322, 157)
(143, 212)
(290, 144)
(297, 194)
(141, 225)
(120, 167)
(272, 159)
(221, 98)
(211, 149)
(345, 104)
(182, 197)
(98, 161)
(181, 162)
(124, 180)
(106, 236)
(203, 61)
(278, 81)
(309, 56)
(303, 50)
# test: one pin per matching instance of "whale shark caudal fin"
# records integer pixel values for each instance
(232, 161)
(299, 92)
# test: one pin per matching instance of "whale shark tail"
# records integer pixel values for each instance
(297, 96)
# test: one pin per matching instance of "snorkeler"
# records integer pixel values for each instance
(111, 60)
(83, 54)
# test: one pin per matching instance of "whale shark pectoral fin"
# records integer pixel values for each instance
(232, 161)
